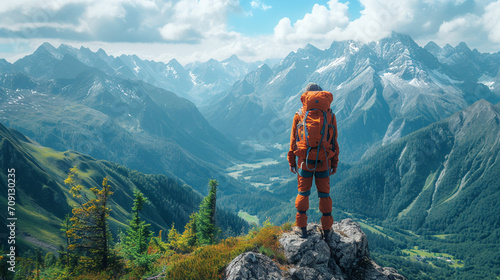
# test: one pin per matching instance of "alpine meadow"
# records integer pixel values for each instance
(120, 167)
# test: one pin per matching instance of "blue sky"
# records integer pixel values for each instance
(262, 21)
(197, 30)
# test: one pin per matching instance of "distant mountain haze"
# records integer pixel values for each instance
(128, 121)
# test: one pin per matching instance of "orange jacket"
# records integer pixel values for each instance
(334, 161)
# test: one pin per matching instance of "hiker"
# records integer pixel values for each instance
(313, 141)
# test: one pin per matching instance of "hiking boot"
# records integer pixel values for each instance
(327, 236)
(303, 232)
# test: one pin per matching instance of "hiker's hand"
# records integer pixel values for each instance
(293, 169)
(333, 170)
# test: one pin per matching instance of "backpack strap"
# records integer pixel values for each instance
(299, 125)
(334, 132)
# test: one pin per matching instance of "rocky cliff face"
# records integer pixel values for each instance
(345, 256)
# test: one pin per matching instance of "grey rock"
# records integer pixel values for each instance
(304, 273)
(250, 266)
(308, 251)
(349, 245)
(369, 270)
(345, 257)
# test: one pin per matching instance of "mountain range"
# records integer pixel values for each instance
(65, 104)
(382, 91)
(197, 81)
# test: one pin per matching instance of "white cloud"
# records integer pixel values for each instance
(179, 32)
(258, 4)
(117, 20)
(322, 24)
(194, 20)
(197, 29)
(443, 21)
(105, 9)
(491, 21)
(379, 19)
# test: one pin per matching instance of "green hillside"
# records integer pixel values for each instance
(42, 198)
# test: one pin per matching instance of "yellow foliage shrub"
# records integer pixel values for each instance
(208, 262)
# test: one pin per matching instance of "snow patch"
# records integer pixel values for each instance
(136, 68)
(336, 62)
(487, 81)
(193, 77)
(275, 78)
(352, 48)
(442, 77)
(282, 73)
(416, 82)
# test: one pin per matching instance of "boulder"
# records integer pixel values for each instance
(346, 256)
(252, 265)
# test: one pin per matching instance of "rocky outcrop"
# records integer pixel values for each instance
(345, 256)
(252, 265)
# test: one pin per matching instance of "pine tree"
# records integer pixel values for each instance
(89, 230)
(139, 232)
(134, 244)
(205, 222)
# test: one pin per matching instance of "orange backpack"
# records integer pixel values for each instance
(315, 132)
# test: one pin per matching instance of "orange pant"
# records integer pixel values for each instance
(305, 179)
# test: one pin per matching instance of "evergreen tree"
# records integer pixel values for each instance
(205, 222)
(134, 244)
(89, 229)
(139, 232)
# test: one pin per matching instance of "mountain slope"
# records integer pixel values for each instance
(5, 66)
(42, 198)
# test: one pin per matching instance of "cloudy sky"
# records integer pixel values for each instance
(191, 30)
